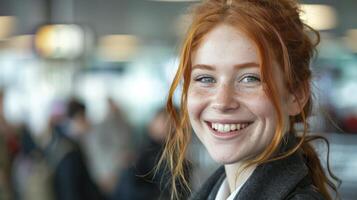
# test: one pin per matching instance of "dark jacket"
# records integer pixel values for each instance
(138, 182)
(71, 178)
(286, 179)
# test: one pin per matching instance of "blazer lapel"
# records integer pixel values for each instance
(274, 180)
(211, 186)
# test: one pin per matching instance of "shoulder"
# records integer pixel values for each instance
(308, 192)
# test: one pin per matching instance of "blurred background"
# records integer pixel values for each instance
(83, 84)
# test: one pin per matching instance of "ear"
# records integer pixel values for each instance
(297, 101)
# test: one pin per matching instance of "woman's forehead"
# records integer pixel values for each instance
(225, 45)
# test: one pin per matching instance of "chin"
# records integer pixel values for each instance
(223, 158)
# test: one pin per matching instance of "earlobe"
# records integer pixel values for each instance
(297, 101)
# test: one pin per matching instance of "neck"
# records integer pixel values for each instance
(235, 180)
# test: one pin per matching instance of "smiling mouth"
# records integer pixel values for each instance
(228, 128)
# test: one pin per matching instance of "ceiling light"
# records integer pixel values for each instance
(60, 41)
(118, 47)
(318, 16)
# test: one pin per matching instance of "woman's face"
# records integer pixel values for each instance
(227, 105)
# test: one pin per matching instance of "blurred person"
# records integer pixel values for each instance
(5, 191)
(143, 181)
(8, 131)
(26, 173)
(349, 123)
(245, 75)
(78, 123)
(9, 147)
(71, 179)
(109, 148)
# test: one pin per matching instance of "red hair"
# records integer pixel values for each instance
(281, 38)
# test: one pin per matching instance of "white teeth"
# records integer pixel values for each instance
(225, 128)
(233, 127)
(220, 128)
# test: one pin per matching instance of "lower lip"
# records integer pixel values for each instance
(226, 136)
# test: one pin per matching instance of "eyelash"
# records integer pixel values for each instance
(203, 79)
(256, 78)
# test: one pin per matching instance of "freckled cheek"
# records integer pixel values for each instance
(196, 103)
(261, 106)
(264, 110)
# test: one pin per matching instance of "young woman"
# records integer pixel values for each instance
(246, 82)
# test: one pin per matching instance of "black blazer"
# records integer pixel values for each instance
(285, 179)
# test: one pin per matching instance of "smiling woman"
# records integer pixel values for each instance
(246, 82)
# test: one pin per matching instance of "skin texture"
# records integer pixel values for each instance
(226, 88)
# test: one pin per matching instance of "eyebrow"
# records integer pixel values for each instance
(237, 66)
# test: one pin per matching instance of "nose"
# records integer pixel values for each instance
(224, 100)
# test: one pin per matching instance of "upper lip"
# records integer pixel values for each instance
(230, 121)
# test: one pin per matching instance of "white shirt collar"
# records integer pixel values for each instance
(224, 191)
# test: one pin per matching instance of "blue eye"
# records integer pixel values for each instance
(250, 79)
(205, 79)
